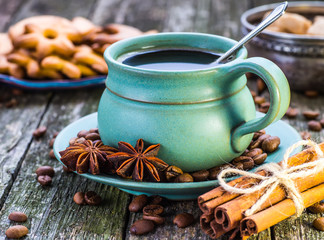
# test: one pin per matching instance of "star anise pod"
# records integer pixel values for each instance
(88, 156)
(137, 163)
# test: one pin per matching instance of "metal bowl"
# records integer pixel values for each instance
(301, 57)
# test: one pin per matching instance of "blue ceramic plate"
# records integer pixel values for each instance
(53, 84)
(176, 191)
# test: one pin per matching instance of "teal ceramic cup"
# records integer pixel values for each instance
(201, 118)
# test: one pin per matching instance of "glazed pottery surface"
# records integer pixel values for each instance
(201, 118)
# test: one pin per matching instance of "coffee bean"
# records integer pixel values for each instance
(259, 159)
(94, 130)
(172, 172)
(260, 85)
(156, 199)
(55, 134)
(72, 140)
(201, 175)
(92, 198)
(82, 133)
(305, 135)
(92, 136)
(45, 170)
(78, 198)
(317, 208)
(80, 140)
(186, 177)
(44, 180)
(311, 115)
(238, 165)
(253, 152)
(141, 227)
(257, 134)
(213, 172)
(259, 100)
(322, 122)
(314, 126)
(270, 144)
(253, 93)
(239, 159)
(51, 154)
(18, 217)
(138, 203)
(311, 94)
(51, 142)
(17, 231)
(318, 223)
(264, 107)
(292, 112)
(183, 220)
(257, 143)
(39, 132)
(153, 209)
(158, 220)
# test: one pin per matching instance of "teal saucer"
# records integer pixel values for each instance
(175, 191)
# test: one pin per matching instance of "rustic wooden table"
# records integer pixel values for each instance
(52, 213)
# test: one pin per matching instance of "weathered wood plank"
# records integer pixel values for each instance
(52, 213)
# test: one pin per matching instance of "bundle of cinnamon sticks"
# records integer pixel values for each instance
(223, 212)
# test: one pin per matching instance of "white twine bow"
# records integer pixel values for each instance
(279, 175)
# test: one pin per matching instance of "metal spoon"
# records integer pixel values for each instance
(273, 16)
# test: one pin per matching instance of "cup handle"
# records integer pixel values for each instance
(279, 91)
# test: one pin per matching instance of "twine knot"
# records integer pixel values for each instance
(277, 174)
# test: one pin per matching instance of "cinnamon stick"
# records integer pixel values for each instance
(210, 200)
(205, 223)
(279, 212)
(217, 230)
(231, 213)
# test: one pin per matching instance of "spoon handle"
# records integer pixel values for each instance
(273, 16)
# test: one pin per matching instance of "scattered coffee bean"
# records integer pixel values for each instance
(292, 112)
(311, 94)
(172, 172)
(264, 107)
(257, 134)
(311, 115)
(92, 136)
(45, 170)
(17, 231)
(201, 175)
(248, 164)
(253, 152)
(239, 159)
(72, 140)
(259, 159)
(78, 198)
(318, 223)
(260, 85)
(51, 142)
(51, 154)
(157, 219)
(270, 144)
(314, 126)
(13, 102)
(80, 140)
(141, 227)
(156, 199)
(44, 180)
(322, 122)
(259, 100)
(153, 209)
(238, 165)
(305, 135)
(138, 203)
(17, 217)
(39, 132)
(213, 172)
(186, 177)
(92, 198)
(317, 208)
(257, 143)
(183, 220)
(82, 133)
(94, 130)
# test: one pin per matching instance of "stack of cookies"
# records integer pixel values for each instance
(52, 47)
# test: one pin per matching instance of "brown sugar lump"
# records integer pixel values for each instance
(291, 23)
(317, 28)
